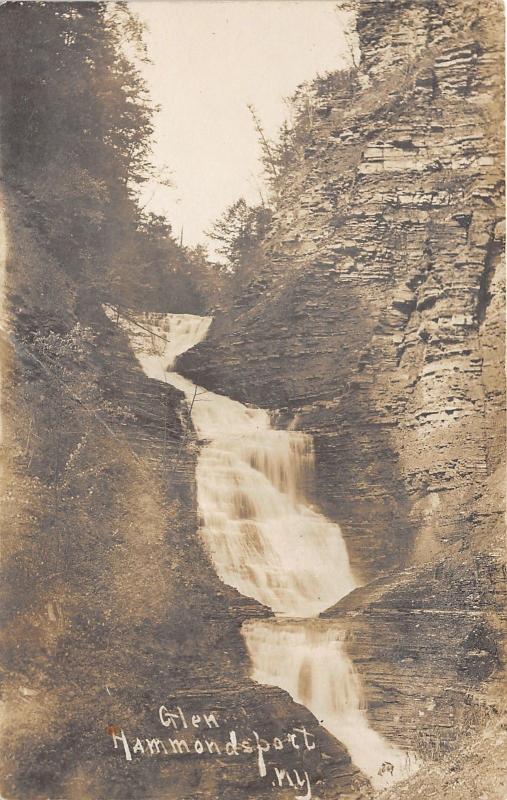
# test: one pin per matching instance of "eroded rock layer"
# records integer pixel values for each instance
(378, 320)
(376, 324)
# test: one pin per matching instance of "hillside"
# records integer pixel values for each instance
(110, 608)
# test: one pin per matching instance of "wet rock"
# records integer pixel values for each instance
(382, 334)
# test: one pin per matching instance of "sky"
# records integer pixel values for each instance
(211, 58)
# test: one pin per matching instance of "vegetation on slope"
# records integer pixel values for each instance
(77, 122)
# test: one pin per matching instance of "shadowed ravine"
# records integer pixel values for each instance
(267, 542)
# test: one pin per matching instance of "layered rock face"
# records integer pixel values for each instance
(376, 324)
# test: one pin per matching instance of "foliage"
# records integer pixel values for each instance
(64, 355)
(76, 93)
(76, 128)
(238, 231)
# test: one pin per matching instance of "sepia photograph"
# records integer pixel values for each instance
(252, 400)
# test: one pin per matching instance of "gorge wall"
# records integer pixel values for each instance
(110, 607)
(375, 323)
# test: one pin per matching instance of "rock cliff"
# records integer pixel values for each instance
(376, 324)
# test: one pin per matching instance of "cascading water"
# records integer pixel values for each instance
(308, 660)
(267, 542)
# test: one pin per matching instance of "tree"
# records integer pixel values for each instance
(76, 132)
(239, 231)
(347, 11)
(267, 147)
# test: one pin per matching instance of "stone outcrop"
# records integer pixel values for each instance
(377, 326)
(378, 322)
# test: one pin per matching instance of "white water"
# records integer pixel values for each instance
(307, 658)
(267, 542)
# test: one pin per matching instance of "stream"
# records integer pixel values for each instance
(268, 542)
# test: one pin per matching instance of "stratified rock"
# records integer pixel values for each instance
(376, 324)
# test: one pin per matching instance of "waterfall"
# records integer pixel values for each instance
(267, 541)
(307, 658)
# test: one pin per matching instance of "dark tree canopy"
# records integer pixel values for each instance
(238, 231)
(76, 126)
